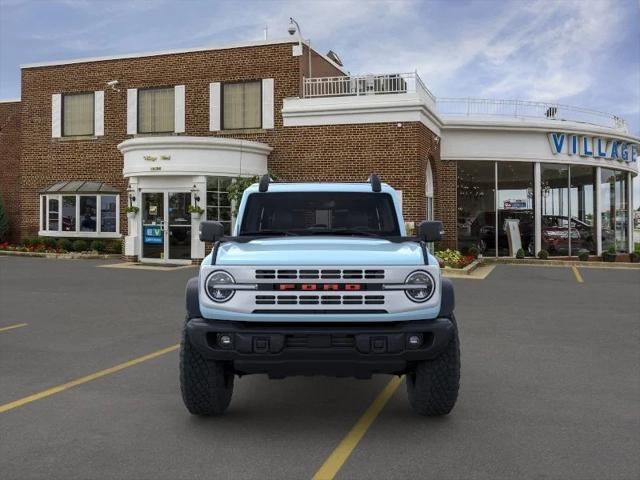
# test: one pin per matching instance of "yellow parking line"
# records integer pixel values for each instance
(576, 272)
(11, 327)
(332, 465)
(79, 381)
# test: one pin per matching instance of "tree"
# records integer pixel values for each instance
(4, 222)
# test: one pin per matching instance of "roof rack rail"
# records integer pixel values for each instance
(264, 183)
(374, 180)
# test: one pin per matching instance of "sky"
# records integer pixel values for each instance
(576, 52)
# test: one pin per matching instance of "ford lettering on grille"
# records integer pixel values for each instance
(323, 287)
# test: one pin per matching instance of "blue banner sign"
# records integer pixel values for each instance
(153, 235)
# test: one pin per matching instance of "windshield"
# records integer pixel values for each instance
(320, 213)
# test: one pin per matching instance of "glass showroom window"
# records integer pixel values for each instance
(515, 206)
(77, 114)
(218, 203)
(156, 110)
(555, 208)
(242, 105)
(78, 215)
(428, 191)
(477, 206)
(614, 210)
(581, 205)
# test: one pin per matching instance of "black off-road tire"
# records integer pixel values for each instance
(433, 385)
(206, 385)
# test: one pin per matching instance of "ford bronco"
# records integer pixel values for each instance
(319, 279)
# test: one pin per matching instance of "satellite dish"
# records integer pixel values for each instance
(334, 57)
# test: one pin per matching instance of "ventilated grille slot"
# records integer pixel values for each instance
(325, 274)
(319, 299)
(320, 341)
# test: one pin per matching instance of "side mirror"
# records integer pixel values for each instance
(430, 231)
(211, 231)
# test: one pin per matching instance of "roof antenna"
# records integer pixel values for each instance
(374, 180)
(266, 32)
(263, 186)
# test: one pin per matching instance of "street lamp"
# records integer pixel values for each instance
(293, 28)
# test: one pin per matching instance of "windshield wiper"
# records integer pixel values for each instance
(285, 233)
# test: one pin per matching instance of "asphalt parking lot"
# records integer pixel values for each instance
(550, 386)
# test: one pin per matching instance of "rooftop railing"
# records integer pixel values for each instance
(526, 109)
(372, 84)
(399, 83)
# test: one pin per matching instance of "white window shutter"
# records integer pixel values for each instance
(214, 106)
(179, 99)
(132, 111)
(56, 115)
(267, 103)
(98, 113)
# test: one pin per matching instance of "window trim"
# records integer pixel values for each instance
(93, 117)
(222, 87)
(163, 132)
(78, 233)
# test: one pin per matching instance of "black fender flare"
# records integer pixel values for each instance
(447, 299)
(191, 299)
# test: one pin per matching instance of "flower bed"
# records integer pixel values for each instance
(63, 245)
(454, 259)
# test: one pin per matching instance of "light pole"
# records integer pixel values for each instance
(293, 28)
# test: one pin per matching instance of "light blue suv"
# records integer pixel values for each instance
(320, 279)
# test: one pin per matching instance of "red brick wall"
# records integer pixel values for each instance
(10, 163)
(338, 152)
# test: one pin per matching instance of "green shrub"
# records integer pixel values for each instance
(114, 246)
(583, 255)
(520, 253)
(50, 243)
(98, 246)
(65, 244)
(450, 257)
(80, 246)
(474, 252)
(543, 254)
(611, 250)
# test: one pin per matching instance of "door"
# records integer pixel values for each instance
(166, 227)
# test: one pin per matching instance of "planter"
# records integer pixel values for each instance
(609, 257)
(634, 257)
(196, 216)
(131, 216)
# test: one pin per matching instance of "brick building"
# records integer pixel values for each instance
(162, 131)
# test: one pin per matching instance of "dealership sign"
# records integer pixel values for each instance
(589, 146)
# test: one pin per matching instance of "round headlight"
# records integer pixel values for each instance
(216, 279)
(425, 286)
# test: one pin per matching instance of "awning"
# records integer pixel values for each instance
(80, 186)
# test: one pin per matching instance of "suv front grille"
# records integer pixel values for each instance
(319, 274)
(319, 299)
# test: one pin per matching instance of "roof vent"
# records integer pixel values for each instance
(264, 183)
(374, 180)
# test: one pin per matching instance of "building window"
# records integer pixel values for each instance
(242, 105)
(615, 210)
(78, 114)
(515, 208)
(218, 203)
(428, 191)
(75, 215)
(156, 110)
(477, 206)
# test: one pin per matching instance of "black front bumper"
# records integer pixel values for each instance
(342, 350)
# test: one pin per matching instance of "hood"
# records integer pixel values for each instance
(325, 250)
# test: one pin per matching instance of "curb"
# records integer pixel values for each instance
(468, 270)
(563, 263)
(62, 256)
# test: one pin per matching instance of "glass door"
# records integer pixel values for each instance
(166, 226)
(153, 214)
(179, 226)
